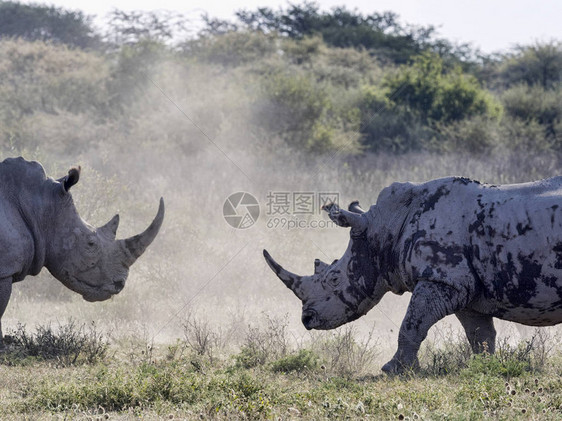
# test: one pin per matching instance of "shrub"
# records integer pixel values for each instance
(535, 104)
(68, 345)
(250, 356)
(344, 355)
(524, 137)
(475, 135)
(35, 76)
(302, 51)
(492, 365)
(232, 48)
(300, 110)
(511, 360)
(413, 106)
(389, 127)
(451, 356)
(39, 82)
(303, 360)
(534, 65)
(135, 64)
(439, 96)
(263, 344)
(200, 338)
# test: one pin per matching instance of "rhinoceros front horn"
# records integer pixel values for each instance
(289, 279)
(135, 246)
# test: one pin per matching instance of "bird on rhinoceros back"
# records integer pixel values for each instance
(460, 247)
(40, 227)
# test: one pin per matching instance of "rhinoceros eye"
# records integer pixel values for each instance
(92, 244)
(332, 279)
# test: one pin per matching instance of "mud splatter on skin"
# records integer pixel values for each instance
(461, 247)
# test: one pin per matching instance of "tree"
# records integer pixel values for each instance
(380, 33)
(539, 64)
(34, 22)
(129, 28)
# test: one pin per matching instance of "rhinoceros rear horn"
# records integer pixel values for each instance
(135, 246)
(110, 229)
(289, 279)
(320, 266)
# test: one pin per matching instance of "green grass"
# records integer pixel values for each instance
(292, 387)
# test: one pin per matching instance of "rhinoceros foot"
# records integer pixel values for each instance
(395, 367)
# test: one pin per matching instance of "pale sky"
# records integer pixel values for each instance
(491, 25)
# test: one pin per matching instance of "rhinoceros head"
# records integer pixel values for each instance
(88, 260)
(346, 289)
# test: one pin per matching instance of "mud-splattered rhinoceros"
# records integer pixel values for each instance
(474, 250)
(39, 226)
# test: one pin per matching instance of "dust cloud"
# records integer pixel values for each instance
(190, 136)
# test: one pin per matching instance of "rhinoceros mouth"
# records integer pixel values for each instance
(310, 319)
(93, 293)
(97, 297)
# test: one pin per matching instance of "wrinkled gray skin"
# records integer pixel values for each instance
(41, 227)
(460, 247)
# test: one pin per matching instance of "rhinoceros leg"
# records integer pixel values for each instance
(430, 302)
(5, 292)
(479, 329)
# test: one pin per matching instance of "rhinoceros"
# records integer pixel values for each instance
(474, 250)
(39, 226)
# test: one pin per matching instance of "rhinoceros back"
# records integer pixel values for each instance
(506, 239)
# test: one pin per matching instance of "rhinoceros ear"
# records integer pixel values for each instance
(71, 179)
(345, 218)
(354, 207)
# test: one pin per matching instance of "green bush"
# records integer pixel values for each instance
(42, 85)
(250, 357)
(232, 48)
(300, 110)
(491, 365)
(534, 103)
(475, 135)
(36, 76)
(301, 361)
(526, 137)
(302, 51)
(345, 356)
(439, 96)
(420, 106)
(299, 90)
(388, 127)
(263, 343)
(450, 357)
(68, 345)
(135, 64)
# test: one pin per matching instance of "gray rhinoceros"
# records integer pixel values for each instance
(460, 247)
(41, 227)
